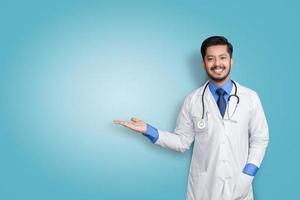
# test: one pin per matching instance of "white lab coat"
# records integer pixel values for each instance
(222, 149)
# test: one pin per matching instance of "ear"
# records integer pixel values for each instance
(203, 64)
(231, 62)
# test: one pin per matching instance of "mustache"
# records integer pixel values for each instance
(216, 67)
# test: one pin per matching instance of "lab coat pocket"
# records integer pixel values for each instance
(242, 186)
(197, 185)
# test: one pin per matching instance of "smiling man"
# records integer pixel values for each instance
(227, 125)
(217, 62)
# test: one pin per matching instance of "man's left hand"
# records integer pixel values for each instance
(242, 186)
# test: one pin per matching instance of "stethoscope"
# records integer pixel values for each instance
(201, 124)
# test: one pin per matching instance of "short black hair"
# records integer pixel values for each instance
(215, 40)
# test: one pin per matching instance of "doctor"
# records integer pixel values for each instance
(227, 124)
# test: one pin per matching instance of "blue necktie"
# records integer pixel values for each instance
(221, 101)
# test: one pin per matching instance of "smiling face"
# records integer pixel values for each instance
(217, 63)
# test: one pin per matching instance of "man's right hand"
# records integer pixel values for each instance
(135, 124)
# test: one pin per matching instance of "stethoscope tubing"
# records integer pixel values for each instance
(235, 95)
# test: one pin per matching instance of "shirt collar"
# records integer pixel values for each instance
(227, 87)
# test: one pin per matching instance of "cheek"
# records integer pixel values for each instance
(209, 68)
(227, 64)
(208, 65)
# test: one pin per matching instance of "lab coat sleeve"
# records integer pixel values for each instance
(182, 137)
(258, 133)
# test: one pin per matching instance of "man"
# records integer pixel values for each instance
(227, 124)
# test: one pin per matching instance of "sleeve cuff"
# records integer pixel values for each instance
(250, 169)
(151, 133)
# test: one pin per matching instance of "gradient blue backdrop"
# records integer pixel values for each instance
(68, 68)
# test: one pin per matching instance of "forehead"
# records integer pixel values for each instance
(216, 50)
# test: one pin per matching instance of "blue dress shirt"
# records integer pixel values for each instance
(151, 133)
(227, 87)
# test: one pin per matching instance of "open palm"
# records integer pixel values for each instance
(135, 124)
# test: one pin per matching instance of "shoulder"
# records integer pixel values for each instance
(243, 90)
(249, 95)
(194, 96)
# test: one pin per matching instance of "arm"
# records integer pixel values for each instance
(180, 140)
(258, 141)
(183, 135)
(258, 137)
(259, 133)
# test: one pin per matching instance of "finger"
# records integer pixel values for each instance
(134, 119)
(120, 122)
(117, 121)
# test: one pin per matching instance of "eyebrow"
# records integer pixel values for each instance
(223, 54)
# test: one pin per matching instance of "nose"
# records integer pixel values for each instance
(217, 62)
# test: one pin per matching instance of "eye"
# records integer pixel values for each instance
(223, 58)
(210, 59)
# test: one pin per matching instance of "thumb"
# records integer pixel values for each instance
(134, 119)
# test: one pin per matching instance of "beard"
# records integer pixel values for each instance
(218, 79)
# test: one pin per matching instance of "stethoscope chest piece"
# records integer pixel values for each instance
(201, 124)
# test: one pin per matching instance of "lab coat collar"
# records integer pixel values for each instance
(210, 101)
(227, 87)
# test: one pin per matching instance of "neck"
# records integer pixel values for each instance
(220, 83)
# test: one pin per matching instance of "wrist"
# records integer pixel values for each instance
(151, 133)
(250, 169)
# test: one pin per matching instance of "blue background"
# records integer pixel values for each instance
(68, 68)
